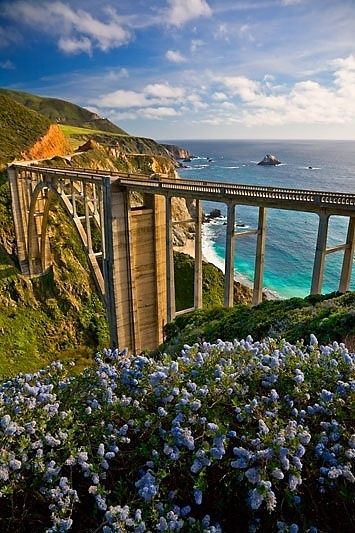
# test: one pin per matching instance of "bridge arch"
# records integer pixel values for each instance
(38, 249)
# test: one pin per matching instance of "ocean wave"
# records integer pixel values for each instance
(226, 167)
(212, 256)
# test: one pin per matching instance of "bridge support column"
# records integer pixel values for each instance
(87, 220)
(135, 269)
(260, 258)
(198, 257)
(170, 277)
(108, 260)
(348, 257)
(19, 214)
(229, 259)
(319, 260)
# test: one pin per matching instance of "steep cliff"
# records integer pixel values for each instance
(52, 143)
(176, 151)
(20, 129)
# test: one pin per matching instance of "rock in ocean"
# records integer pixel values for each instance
(269, 160)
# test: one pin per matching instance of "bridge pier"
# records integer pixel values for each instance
(321, 250)
(229, 260)
(198, 257)
(19, 213)
(170, 276)
(346, 270)
(259, 258)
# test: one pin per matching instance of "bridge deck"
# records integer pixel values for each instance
(254, 195)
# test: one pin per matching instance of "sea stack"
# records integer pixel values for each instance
(269, 160)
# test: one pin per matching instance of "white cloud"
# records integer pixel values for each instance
(122, 99)
(241, 86)
(7, 65)
(222, 32)
(75, 46)
(154, 94)
(195, 45)
(290, 2)
(219, 96)
(175, 56)
(181, 11)
(158, 112)
(119, 74)
(164, 90)
(306, 102)
(77, 30)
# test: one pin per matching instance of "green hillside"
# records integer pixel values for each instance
(63, 112)
(329, 317)
(20, 128)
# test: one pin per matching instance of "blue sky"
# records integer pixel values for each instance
(173, 69)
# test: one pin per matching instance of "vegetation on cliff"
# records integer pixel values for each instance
(212, 284)
(20, 128)
(62, 112)
(330, 317)
(58, 313)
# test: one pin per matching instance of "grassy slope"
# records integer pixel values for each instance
(212, 284)
(330, 317)
(20, 128)
(58, 312)
(63, 112)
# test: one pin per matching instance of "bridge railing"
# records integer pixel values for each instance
(245, 191)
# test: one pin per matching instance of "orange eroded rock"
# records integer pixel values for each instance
(51, 144)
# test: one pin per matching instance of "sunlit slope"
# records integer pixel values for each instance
(63, 112)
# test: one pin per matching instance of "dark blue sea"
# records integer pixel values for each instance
(291, 235)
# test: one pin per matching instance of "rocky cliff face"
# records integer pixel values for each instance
(51, 144)
(176, 151)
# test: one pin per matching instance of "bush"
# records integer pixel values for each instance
(226, 437)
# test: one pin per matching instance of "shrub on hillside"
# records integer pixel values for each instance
(242, 436)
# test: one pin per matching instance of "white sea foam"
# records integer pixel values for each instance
(211, 255)
(227, 167)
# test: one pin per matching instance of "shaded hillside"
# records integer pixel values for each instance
(63, 112)
(20, 128)
(212, 284)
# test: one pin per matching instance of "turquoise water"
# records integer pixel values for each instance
(291, 235)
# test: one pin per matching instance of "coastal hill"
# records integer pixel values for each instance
(63, 112)
(21, 129)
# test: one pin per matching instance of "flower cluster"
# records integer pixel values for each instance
(170, 444)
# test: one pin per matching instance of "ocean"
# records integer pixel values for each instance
(291, 235)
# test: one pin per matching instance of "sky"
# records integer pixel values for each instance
(190, 69)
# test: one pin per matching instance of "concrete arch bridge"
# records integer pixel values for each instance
(134, 266)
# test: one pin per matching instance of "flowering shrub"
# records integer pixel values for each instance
(242, 436)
